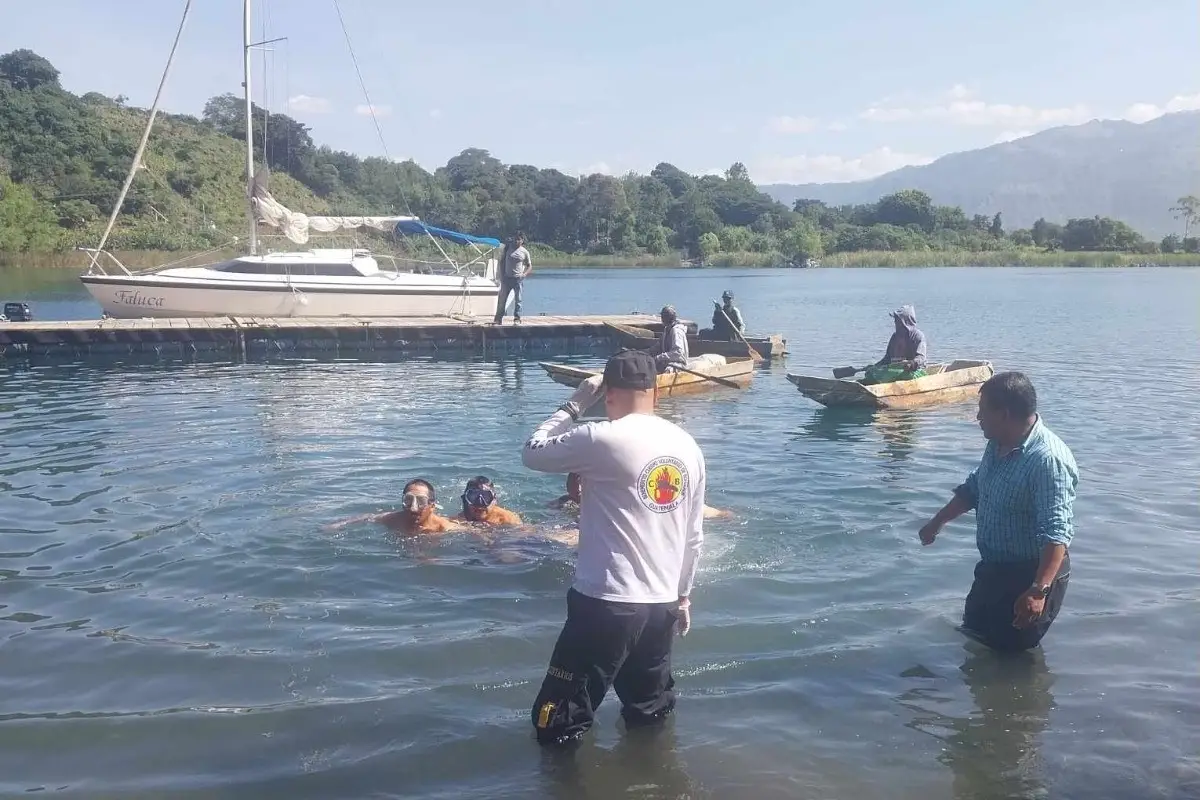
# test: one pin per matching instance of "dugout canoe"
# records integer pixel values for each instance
(636, 338)
(738, 370)
(950, 382)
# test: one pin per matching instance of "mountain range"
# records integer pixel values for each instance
(1111, 168)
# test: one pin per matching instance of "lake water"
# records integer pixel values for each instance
(174, 622)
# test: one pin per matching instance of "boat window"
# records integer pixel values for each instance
(306, 268)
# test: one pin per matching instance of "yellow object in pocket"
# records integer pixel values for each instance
(544, 715)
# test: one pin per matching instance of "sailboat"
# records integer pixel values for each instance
(307, 283)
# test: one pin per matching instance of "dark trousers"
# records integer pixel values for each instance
(603, 643)
(514, 286)
(988, 615)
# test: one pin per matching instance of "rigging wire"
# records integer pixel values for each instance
(141, 148)
(379, 130)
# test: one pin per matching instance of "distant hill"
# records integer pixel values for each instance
(1112, 168)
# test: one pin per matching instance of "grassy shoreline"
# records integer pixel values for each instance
(143, 259)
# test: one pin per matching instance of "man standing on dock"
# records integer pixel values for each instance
(641, 526)
(1023, 493)
(516, 268)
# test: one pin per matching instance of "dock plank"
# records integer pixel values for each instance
(543, 333)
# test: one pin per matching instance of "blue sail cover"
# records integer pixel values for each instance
(416, 227)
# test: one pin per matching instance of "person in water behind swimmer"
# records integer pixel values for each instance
(417, 516)
(479, 504)
(570, 500)
(574, 496)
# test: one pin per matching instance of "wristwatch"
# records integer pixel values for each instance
(1042, 590)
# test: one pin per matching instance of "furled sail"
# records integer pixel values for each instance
(297, 226)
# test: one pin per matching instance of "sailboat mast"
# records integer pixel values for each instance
(249, 129)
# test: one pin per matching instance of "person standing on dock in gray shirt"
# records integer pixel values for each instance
(516, 268)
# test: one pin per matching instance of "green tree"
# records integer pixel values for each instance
(25, 224)
(801, 242)
(25, 70)
(735, 239)
(709, 245)
(1187, 209)
(737, 173)
(997, 227)
(1046, 234)
(1171, 243)
(908, 207)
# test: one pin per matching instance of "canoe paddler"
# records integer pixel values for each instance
(672, 349)
(905, 355)
(641, 526)
(726, 319)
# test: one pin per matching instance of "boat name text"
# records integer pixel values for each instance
(128, 298)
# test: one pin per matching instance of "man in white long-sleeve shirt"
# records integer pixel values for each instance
(641, 526)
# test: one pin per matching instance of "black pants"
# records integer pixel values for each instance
(989, 614)
(623, 645)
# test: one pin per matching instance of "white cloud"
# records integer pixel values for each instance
(380, 111)
(435, 113)
(1008, 136)
(960, 106)
(1144, 112)
(791, 124)
(600, 167)
(1184, 102)
(306, 104)
(838, 126)
(833, 169)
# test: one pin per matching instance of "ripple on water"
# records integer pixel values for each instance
(175, 616)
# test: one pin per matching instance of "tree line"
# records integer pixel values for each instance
(63, 158)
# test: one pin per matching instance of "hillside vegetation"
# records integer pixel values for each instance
(64, 157)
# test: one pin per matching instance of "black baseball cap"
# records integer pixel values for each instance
(631, 369)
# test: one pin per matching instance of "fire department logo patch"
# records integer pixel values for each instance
(663, 484)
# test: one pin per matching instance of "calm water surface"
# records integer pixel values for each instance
(175, 622)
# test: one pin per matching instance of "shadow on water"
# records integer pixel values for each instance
(994, 750)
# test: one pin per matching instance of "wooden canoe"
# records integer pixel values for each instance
(640, 338)
(738, 370)
(945, 383)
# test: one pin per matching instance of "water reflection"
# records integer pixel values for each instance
(512, 374)
(898, 430)
(838, 424)
(644, 763)
(993, 750)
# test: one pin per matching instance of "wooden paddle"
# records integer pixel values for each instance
(754, 354)
(846, 372)
(713, 378)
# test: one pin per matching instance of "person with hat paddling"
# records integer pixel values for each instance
(641, 527)
(726, 320)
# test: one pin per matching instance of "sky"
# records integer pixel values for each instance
(798, 90)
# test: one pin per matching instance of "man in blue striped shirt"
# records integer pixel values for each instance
(1022, 492)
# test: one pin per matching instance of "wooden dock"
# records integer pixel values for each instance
(248, 336)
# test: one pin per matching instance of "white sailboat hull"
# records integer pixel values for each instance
(136, 296)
